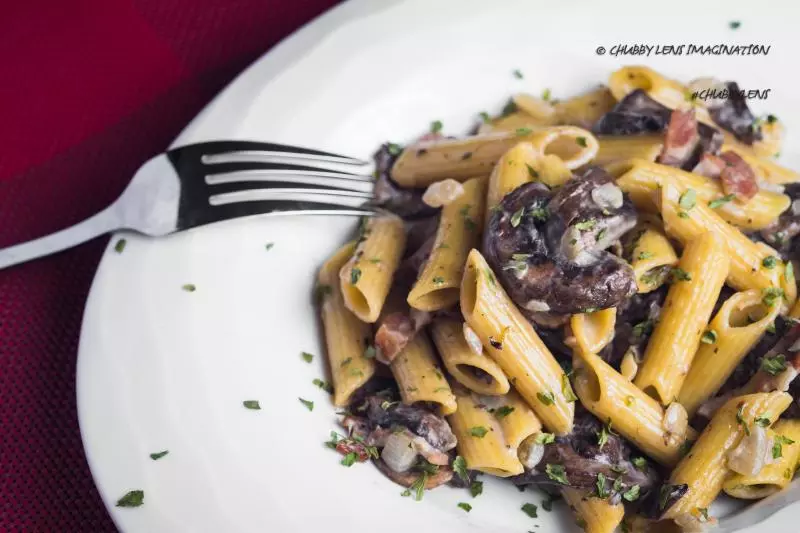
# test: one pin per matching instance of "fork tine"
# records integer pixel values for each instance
(320, 196)
(215, 152)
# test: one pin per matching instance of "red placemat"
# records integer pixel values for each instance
(90, 89)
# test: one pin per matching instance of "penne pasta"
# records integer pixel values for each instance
(512, 342)
(459, 231)
(734, 331)
(652, 259)
(613, 148)
(704, 468)
(515, 168)
(697, 283)
(632, 413)
(594, 331)
(346, 337)
(586, 109)
(594, 515)
(481, 441)
(366, 278)
(643, 179)
(419, 377)
(539, 109)
(425, 163)
(774, 476)
(765, 168)
(517, 420)
(512, 122)
(477, 372)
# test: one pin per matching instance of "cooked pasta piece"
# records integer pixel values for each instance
(346, 336)
(774, 476)
(632, 413)
(734, 331)
(477, 372)
(747, 258)
(366, 278)
(594, 331)
(538, 108)
(652, 259)
(561, 149)
(698, 280)
(643, 179)
(481, 441)
(459, 231)
(615, 148)
(512, 342)
(663, 90)
(517, 420)
(419, 377)
(513, 169)
(765, 168)
(593, 514)
(584, 110)
(424, 163)
(704, 468)
(510, 123)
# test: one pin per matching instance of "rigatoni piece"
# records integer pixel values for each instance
(652, 259)
(460, 226)
(775, 476)
(594, 331)
(632, 413)
(615, 148)
(704, 469)
(594, 514)
(366, 278)
(481, 441)
(765, 168)
(514, 168)
(346, 336)
(586, 109)
(517, 420)
(696, 285)
(737, 327)
(477, 372)
(512, 342)
(419, 377)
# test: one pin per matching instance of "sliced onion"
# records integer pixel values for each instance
(784, 379)
(765, 185)
(676, 420)
(473, 341)
(537, 305)
(399, 453)
(607, 195)
(530, 453)
(630, 363)
(441, 193)
(752, 453)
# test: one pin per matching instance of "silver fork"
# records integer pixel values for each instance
(209, 182)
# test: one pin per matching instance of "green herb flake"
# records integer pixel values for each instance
(734, 24)
(467, 507)
(309, 405)
(524, 131)
(679, 274)
(777, 446)
(370, 352)
(643, 328)
(485, 117)
(438, 280)
(771, 328)
(460, 468)
(602, 437)
(600, 484)
(324, 385)
(355, 275)
(774, 365)
(189, 287)
(644, 255)
(581, 141)
(547, 503)
(418, 488)
(788, 274)
(741, 421)
(394, 148)
(771, 295)
(546, 95)
(120, 246)
(688, 199)
(158, 455)
(709, 337)
(134, 498)
(770, 262)
(478, 431)
(516, 218)
(436, 126)
(540, 213)
(530, 510)
(556, 473)
(532, 172)
(566, 389)
(517, 74)
(719, 202)
(640, 463)
(547, 399)
(349, 459)
(252, 404)
(269, 246)
(307, 357)
(476, 488)
(346, 362)
(762, 421)
(504, 411)
(586, 225)
(544, 438)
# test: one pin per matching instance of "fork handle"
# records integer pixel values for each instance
(103, 222)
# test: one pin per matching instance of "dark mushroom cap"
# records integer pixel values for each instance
(733, 115)
(549, 249)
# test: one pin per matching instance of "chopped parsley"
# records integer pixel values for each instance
(516, 218)
(252, 404)
(602, 491)
(788, 274)
(370, 352)
(547, 399)
(309, 405)
(158, 455)
(307, 357)
(467, 507)
(581, 141)
(478, 431)
(485, 117)
(324, 385)
(734, 24)
(436, 126)
(679, 274)
(269, 246)
(771, 328)
(566, 389)
(460, 468)
(703, 514)
(602, 437)
(120, 246)
(517, 74)
(394, 148)
(532, 172)
(375, 260)
(189, 287)
(544, 438)
(524, 131)
(134, 498)
(530, 510)
(741, 421)
(417, 490)
(774, 365)
(777, 446)
(476, 488)
(771, 295)
(769, 262)
(640, 463)
(349, 459)
(643, 328)
(346, 362)
(586, 225)
(709, 337)
(762, 421)
(547, 504)
(719, 202)
(632, 494)
(504, 411)
(540, 213)
(644, 255)
(438, 280)
(688, 199)
(546, 95)
(556, 473)
(355, 275)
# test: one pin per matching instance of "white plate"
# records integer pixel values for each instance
(160, 368)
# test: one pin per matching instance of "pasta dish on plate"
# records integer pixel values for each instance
(592, 296)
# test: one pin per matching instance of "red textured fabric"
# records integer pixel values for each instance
(90, 89)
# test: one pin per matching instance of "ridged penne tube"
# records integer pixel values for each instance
(367, 277)
(640, 524)
(425, 163)
(460, 226)
(746, 269)
(624, 147)
(644, 178)
(346, 336)
(512, 170)
(765, 168)
(511, 341)
(595, 515)
(541, 110)
(478, 373)
(774, 476)
(512, 122)
(704, 468)
(653, 256)
(520, 423)
(734, 333)
(703, 268)
(633, 414)
(586, 109)
(594, 331)
(481, 441)
(419, 377)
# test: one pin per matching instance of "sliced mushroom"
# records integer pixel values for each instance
(406, 203)
(732, 114)
(418, 420)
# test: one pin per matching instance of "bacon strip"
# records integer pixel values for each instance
(394, 333)
(681, 139)
(737, 177)
(709, 166)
